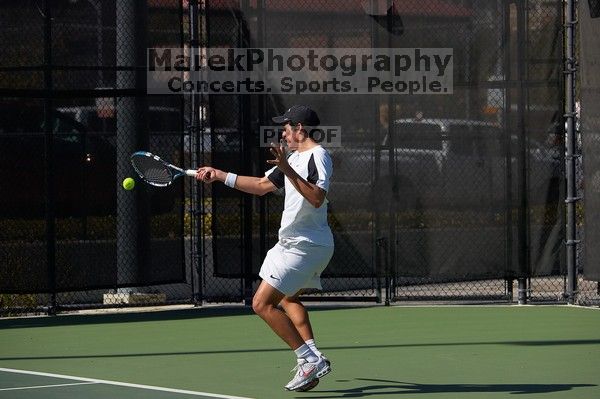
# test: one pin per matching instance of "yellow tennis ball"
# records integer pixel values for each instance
(128, 183)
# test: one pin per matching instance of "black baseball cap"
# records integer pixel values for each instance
(298, 114)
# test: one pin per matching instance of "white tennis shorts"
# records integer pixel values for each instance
(293, 265)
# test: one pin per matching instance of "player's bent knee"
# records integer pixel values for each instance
(259, 306)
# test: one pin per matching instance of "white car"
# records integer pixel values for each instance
(443, 164)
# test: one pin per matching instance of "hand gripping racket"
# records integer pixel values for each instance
(155, 171)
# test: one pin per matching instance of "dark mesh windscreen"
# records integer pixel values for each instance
(455, 186)
(66, 134)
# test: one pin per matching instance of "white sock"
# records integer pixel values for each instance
(304, 352)
(313, 347)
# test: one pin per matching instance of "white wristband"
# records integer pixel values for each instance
(230, 180)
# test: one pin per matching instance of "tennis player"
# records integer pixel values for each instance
(305, 244)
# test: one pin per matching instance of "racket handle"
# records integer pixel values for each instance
(191, 172)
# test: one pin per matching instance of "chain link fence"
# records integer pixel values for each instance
(450, 197)
(433, 197)
(74, 108)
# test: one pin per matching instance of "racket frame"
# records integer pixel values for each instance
(175, 171)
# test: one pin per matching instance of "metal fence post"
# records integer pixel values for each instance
(197, 206)
(247, 142)
(570, 66)
(523, 206)
(126, 143)
(49, 159)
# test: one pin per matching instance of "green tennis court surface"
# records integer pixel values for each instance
(28, 384)
(407, 352)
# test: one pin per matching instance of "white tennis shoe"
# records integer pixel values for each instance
(307, 375)
(327, 362)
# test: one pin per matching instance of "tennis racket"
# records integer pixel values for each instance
(155, 171)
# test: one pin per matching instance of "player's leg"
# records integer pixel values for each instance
(309, 366)
(264, 304)
(298, 315)
(318, 258)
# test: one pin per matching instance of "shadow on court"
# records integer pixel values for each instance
(324, 348)
(388, 387)
(88, 319)
(150, 316)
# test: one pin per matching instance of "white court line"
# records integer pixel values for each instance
(47, 386)
(122, 384)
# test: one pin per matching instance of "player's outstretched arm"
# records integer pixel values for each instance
(247, 184)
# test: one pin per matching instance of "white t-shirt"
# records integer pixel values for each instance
(300, 220)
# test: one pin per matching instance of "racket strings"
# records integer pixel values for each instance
(151, 170)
